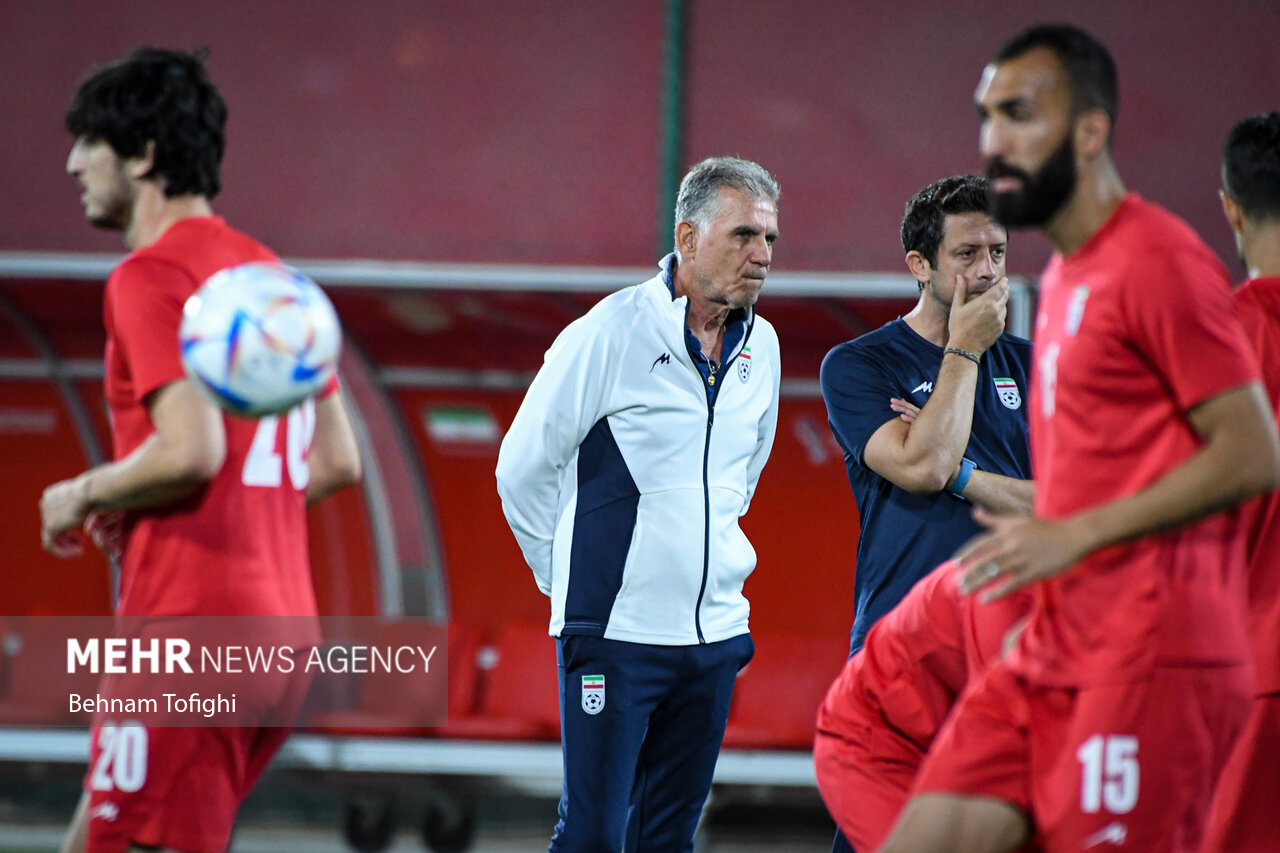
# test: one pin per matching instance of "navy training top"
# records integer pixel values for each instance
(905, 536)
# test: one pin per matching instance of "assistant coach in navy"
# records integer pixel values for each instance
(623, 476)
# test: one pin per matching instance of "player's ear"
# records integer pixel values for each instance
(919, 266)
(686, 240)
(1092, 130)
(140, 166)
(1231, 210)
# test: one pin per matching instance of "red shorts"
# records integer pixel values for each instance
(171, 787)
(1245, 817)
(1127, 766)
(865, 776)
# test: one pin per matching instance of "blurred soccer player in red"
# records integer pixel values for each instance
(1245, 818)
(1107, 725)
(213, 519)
(884, 710)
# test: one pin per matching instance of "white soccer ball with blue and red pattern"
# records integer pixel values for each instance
(259, 338)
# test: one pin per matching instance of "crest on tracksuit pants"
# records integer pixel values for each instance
(593, 694)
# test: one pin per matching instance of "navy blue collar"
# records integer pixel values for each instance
(736, 327)
(668, 267)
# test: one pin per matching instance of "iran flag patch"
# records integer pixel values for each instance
(593, 694)
(1008, 391)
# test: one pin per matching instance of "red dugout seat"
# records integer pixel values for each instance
(519, 695)
(775, 701)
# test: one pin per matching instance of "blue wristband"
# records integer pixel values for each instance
(962, 479)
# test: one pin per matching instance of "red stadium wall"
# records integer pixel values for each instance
(523, 132)
(459, 131)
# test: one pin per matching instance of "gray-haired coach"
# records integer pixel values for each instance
(634, 453)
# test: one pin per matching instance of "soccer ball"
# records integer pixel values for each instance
(259, 338)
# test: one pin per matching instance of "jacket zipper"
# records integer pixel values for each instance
(706, 501)
(712, 371)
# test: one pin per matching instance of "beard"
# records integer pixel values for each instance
(111, 214)
(1042, 194)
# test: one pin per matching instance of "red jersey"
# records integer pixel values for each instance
(1258, 302)
(918, 658)
(1133, 330)
(238, 545)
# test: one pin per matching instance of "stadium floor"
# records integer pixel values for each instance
(288, 813)
(264, 839)
(257, 839)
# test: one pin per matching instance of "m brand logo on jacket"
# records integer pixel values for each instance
(665, 358)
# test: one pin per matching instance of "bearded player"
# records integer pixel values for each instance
(197, 539)
(1110, 720)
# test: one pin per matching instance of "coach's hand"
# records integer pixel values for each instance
(1016, 551)
(63, 508)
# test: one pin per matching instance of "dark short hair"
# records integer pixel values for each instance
(164, 97)
(924, 220)
(1251, 166)
(1088, 64)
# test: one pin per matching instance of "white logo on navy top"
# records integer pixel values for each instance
(593, 694)
(665, 358)
(926, 387)
(1008, 391)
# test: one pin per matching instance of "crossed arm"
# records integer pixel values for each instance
(920, 451)
(993, 492)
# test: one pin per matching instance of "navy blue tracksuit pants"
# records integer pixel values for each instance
(640, 746)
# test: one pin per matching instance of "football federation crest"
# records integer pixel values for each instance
(1008, 391)
(593, 694)
(744, 364)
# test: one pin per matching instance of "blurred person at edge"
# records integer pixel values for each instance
(1112, 715)
(1244, 817)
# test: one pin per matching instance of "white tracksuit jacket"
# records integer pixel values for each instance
(623, 485)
